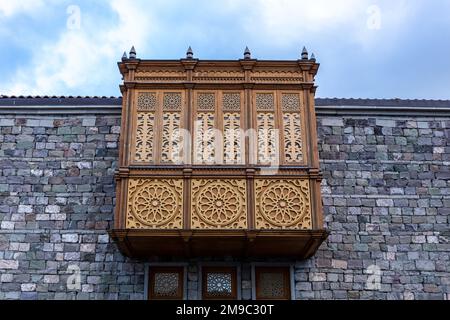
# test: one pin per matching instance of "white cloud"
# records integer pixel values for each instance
(81, 59)
(283, 22)
(11, 7)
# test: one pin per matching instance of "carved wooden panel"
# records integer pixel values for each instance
(267, 138)
(159, 76)
(171, 137)
(165, 283)
(147, 101)
(282, 204)
(265, 102)
(219, 283)
(145, 126)
(157, 135)
(292, 128)
(272, 283)
(204, 148)
(232, 138)
(206, 101)
(218, 76)
(293, 150)
(231, 101)
(232, 130)
(218, 204)
(273, 77)
(155, 204)
(290, 102)
(172, 101)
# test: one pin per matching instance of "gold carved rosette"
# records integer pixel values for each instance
(282, 204)
(218, 204)
(155, 204)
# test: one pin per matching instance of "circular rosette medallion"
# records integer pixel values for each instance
(283, 205)
(219, 204)
(155, 204)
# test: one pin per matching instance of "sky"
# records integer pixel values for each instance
(366, 48)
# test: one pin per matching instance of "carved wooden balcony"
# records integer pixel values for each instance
(218, 158)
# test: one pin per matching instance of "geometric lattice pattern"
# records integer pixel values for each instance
(218, 284)
(172, 101)
(206, 101)
(146, 101)
(282, 204)
(218, 204)
(265, 102)
(290, 102)
(231, 102)
(166, 284)
(155, 204)
(272, 283)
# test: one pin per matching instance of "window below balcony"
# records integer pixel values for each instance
(272, 283)
(166, 283)
(220, 282)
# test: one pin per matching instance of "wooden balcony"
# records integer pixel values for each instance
(218, 158)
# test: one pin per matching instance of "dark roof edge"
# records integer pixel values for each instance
(324, 106)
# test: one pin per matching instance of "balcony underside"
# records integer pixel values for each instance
(298, 244)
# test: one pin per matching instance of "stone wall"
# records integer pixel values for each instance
(386, 197)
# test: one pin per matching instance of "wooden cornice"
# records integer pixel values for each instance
(184, 65)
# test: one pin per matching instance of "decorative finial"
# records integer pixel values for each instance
(313, 57)
(133, 53)
(124, 57)
(189, 53)
(304, 54)
(247, 54)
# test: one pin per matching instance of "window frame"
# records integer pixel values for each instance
(157, 125)
(150, 271)
(235, 282)
(219, 159)
(290, 293)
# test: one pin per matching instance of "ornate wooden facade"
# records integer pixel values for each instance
(218, 158)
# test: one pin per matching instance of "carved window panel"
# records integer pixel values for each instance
(144, 141)
(155, 204)
(292, 128)
(171, 142)
(147, 101)
(232, 136)
(232, 128)
(218, 204)
(272, 283)
(166, 283)
(218, 128)
(282, 204)
(204, 128)
(204, 140)
(158, 127)
(219, 283)
(267, 131)
(267, 138)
